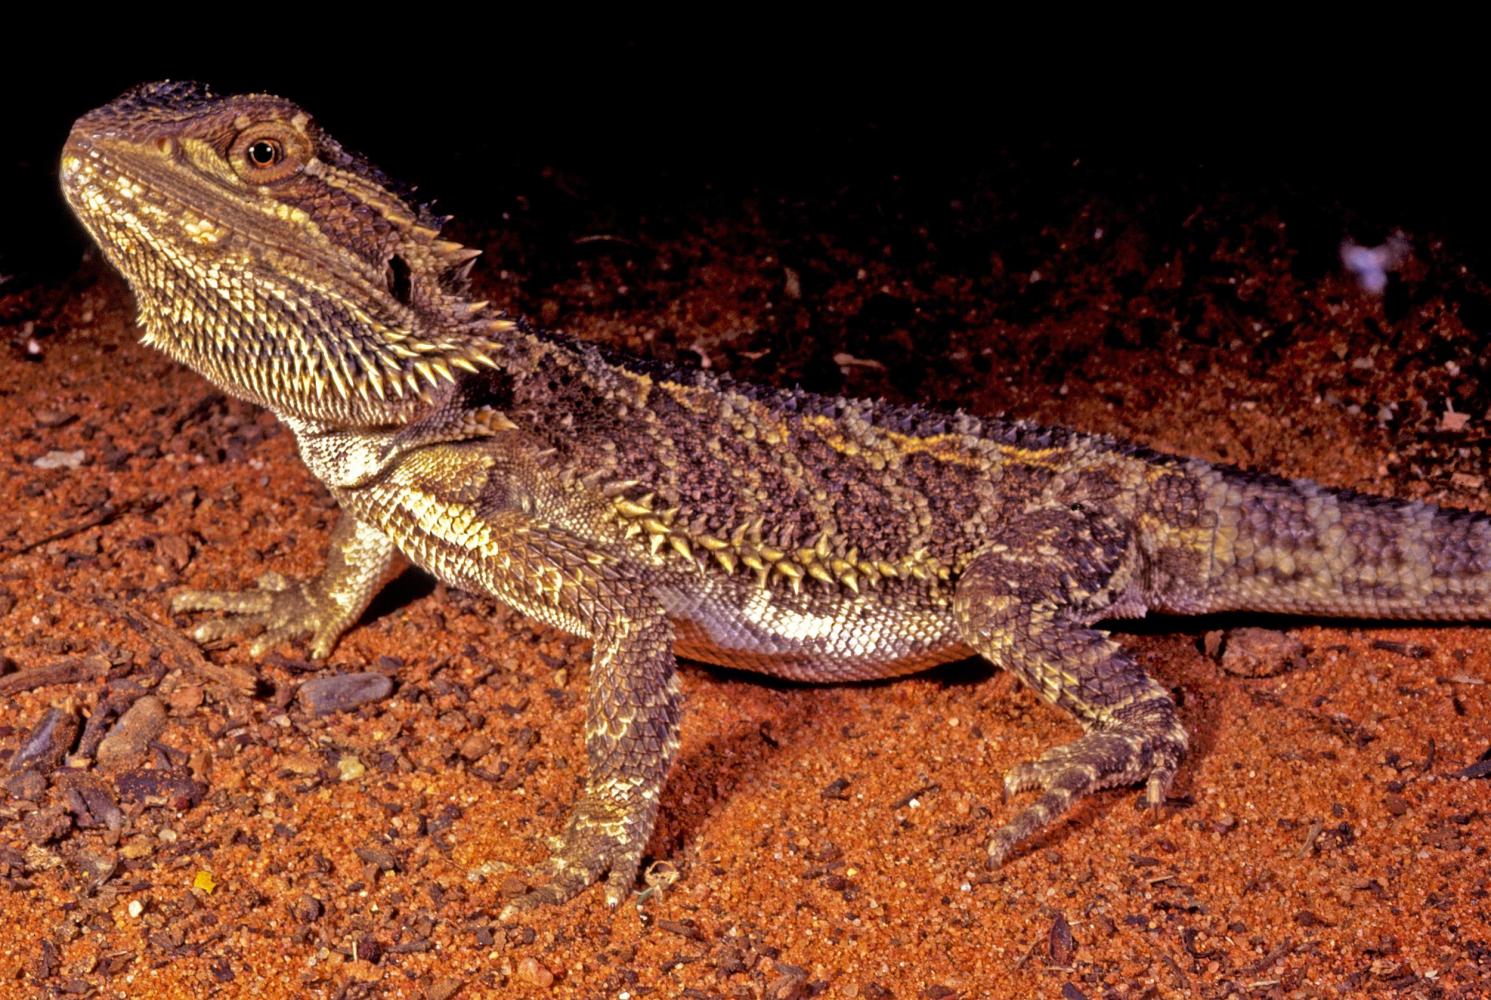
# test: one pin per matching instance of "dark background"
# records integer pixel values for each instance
(642, 121)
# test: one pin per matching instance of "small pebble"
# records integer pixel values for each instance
(1467, 481)
(1371, 265)
(61, 460)
(342, 692)
(127, 741)
(350, 768)
(1261, 652)
(185, 699)
(475, 746)
(531, 970)
(144, 784)
(46, 825)
(174, 550)
(137, 848)
(307, 909)
(301, 764)
(29, 785)
(100, 865)
(378, 858)
(443, 989)
(1060, 945)
(367, 949)
(92, 803)
(48, 742)
(49, 418)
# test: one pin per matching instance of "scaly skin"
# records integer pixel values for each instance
(664, 513)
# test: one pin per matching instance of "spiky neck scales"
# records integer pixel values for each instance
(277, 264)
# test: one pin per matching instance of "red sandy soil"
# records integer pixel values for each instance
(828, 840)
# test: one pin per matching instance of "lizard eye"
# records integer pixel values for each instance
(268, 152)
(264, 153)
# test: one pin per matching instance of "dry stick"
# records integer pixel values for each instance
(186, 654)
(69, 671)
(105, 514)
(1316, 827)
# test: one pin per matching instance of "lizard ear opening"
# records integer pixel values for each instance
(400, 280)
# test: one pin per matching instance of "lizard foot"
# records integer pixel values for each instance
(1143, 743)
(604, 837)
(278, 610)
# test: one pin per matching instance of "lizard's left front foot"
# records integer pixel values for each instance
(1145, 742)
(278, 610)
(604, 837)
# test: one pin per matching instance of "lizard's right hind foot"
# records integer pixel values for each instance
(1028, 603)
(1144, 742)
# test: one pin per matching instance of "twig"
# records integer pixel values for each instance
(197, 410)
(105, 514)
(69, 671)
(1314, 834)
(1480, 769)
(187, 656)
(605, 238)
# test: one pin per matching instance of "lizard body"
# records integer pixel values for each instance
(663, 512)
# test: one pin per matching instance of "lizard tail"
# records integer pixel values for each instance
(1296, 547)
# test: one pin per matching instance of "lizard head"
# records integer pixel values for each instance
(261, 253)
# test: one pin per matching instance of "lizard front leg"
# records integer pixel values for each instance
(631, 728)
(633, 703)
(1027, 603)
(279, 609)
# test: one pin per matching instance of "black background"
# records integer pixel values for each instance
(704, 111)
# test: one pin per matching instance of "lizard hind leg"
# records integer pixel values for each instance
(1027, 603)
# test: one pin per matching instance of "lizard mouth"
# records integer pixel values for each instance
(102, 179)
(80, 174)
(145, 202)
(130, 221)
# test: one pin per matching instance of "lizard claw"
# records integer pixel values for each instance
(279, 610)
(603, 837)
(1146, 747)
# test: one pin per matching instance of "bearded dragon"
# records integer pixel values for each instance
(662, 512)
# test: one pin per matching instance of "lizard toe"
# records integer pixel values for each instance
(276, 611)
(1144, 744)
(231, 601)
(218, 629)
(603, 839)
